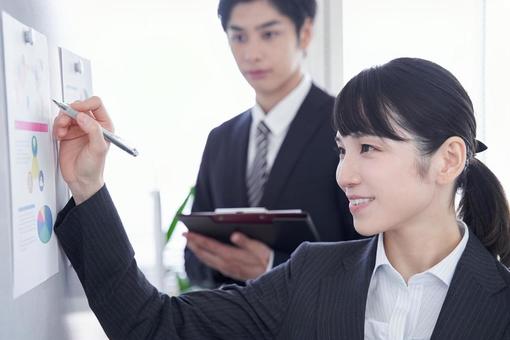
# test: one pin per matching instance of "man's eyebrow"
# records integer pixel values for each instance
(268, 24)
(258, 28)
(235, 28)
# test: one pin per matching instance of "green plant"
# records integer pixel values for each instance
(175, 219)
(183, 283)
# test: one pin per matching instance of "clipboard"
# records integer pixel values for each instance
(280, 230)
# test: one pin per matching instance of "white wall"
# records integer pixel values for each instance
(497, 65)
(446, 32)
(166, 74)
(325, 55)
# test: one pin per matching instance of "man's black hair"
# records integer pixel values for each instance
(296, 10)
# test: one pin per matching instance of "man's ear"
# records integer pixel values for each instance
(306, 34)
(450, 160)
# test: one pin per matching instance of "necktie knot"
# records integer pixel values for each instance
(263, 129)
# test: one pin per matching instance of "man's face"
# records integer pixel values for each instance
(265, 45)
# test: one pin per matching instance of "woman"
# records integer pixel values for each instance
(406, 138)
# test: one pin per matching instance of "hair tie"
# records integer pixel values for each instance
(479, 146)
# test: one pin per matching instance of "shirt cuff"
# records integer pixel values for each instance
(270, 262)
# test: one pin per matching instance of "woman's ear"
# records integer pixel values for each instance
(451, 160)
(305, 34)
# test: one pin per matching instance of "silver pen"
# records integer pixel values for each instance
(109, 136)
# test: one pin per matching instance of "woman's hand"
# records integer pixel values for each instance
(83, 149)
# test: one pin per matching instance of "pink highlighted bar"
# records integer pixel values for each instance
(31, 126)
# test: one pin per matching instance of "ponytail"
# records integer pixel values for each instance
(484, 208)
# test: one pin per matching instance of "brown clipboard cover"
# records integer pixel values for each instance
(280, 231)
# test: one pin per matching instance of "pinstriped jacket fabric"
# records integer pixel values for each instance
(320, 293)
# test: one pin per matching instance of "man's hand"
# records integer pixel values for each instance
(82, 147)
(248, 260)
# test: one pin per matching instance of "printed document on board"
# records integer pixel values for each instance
(31, 155)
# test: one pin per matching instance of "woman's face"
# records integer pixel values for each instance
(383, 182)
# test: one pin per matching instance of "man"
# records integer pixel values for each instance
(279, 154)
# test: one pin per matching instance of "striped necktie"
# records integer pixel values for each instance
(258, 173)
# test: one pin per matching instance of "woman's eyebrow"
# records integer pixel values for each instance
(338, 138)
(365, 135)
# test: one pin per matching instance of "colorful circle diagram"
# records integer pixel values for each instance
(44, 224)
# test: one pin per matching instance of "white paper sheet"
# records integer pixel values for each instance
(76, 81)
(76, 76)
(31, 155)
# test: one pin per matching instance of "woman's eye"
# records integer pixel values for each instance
(366, 148)
(341, 152)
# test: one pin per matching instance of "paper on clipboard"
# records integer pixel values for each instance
(260, 210)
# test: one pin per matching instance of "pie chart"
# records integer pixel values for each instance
(44, 224)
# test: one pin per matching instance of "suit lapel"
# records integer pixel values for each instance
(239, 155)
(476, 278)
(301, 130)
(341, 313)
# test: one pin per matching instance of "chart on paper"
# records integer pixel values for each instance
(31, 155)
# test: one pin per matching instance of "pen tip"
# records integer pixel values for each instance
(58, 104)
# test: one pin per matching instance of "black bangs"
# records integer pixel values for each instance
(410, 95)
(361, 108)
(296, 10)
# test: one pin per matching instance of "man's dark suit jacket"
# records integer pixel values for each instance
(302, 177)
(320, 293)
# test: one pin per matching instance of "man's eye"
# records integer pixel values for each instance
(269, 35)
(238, 38)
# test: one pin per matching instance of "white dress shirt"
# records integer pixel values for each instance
(396, 310)
(278, 121)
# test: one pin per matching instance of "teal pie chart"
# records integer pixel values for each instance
(44, 224)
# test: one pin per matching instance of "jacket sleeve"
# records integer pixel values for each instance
(129, 307)
(507, 333)
(279, 258)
